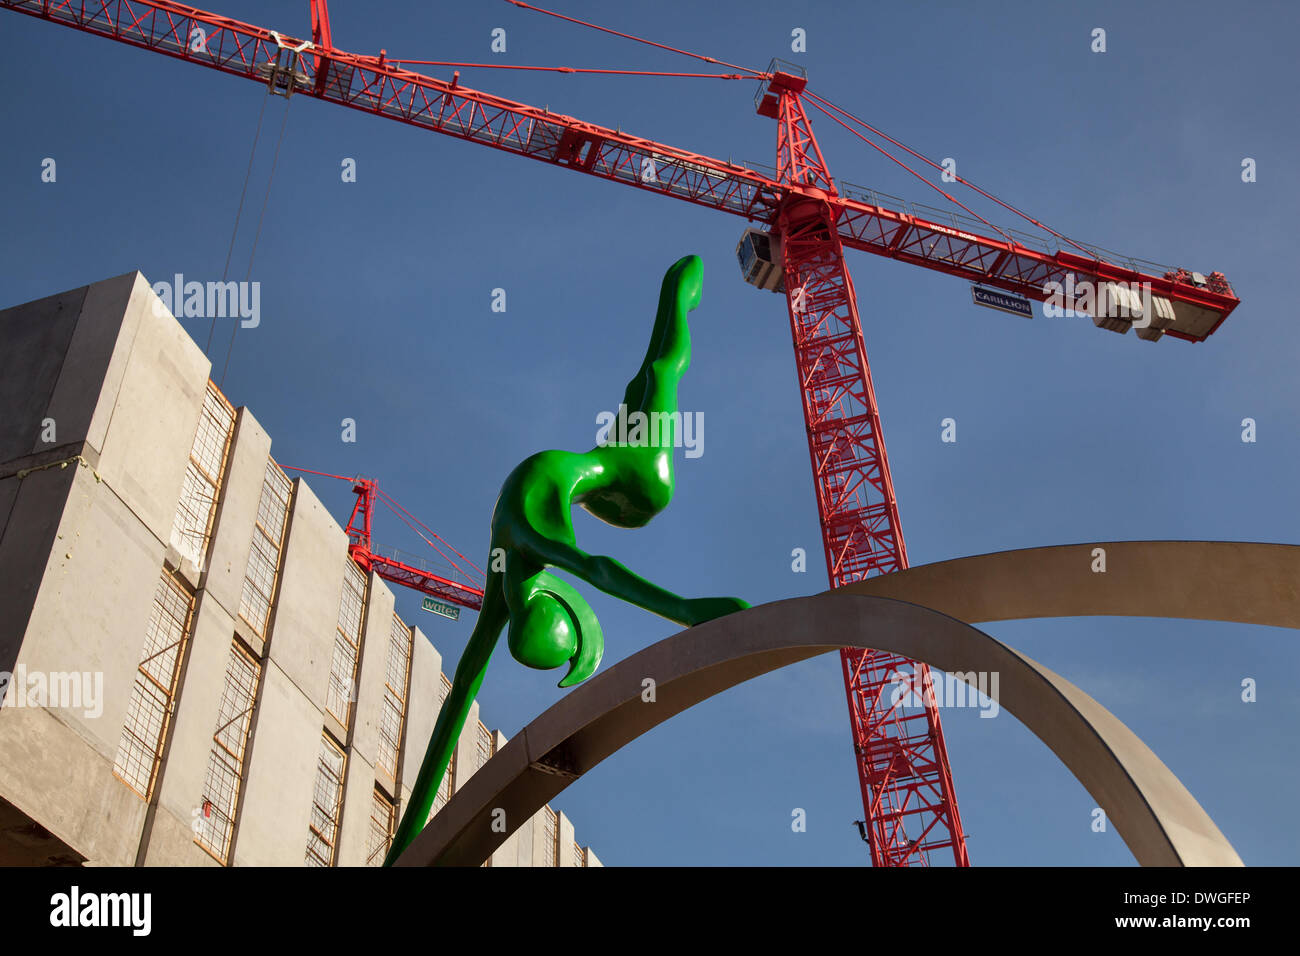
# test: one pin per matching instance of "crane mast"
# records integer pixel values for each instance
(907, 790)
(810, 219)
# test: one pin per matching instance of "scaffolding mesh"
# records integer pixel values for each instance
(327, 801)
(149, 708)
(264, 553)
(192, 523)
(383, 817)
(550, 837)
(215, 823)
(393, 713)
(340, 693)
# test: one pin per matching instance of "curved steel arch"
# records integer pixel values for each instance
(1161, 822)
(1241, 581)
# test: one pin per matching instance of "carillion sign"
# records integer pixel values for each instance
(1002, 301)
(442, 607)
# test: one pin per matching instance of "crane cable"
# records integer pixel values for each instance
(819, 100)
(258, 233)
(822, 105)
(238, 212)
(399, 510)
(404, 515)
(628, 36)
(451, 565)
(575, 69)
(887, 154)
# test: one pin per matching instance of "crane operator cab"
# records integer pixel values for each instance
(759, 254)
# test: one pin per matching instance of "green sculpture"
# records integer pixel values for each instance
(625, 484)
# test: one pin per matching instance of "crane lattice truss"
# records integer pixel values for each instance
(446, 580)
(408, 571)
(902, 763)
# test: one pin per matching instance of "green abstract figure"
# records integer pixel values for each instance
(625, 484)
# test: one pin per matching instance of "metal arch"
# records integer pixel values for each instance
(1161, 822)
(1241, 581)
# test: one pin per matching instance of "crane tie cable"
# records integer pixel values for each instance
(576, 69)
(628, 36)
(895, 159)
(239, 212)
(987, 195)
(257, 234)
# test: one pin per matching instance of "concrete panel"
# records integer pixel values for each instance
(539, 851)
(372, 668)
(592, 859)
(423, 701)
(232, 530)
(24, 842)
(311, 586)
(522, 839)
(171, 843)
(155, 413)
(354, 831)
(30, 533)
(36, 337)
(54, 775)
(281, 776)
(91, 376)
(467, 748)
(95, 599)
(566, 840)
(179, 788)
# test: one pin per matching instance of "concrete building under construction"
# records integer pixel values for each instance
(195, 672)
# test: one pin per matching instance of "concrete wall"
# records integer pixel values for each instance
(564, 855)
(62, 781)
(83, 545)
(150, 424)
(523, 842)
(423, 701)
(179, 790)
(467, 748)
(280, 775)
(372, 669)
(539, 851)
(311, 586)
(233, 527)
(358, 794)
(371, 680)
(37, 338)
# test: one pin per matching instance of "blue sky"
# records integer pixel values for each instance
(376, 306)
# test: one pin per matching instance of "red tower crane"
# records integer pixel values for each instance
(810, 218)
(446, 582)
